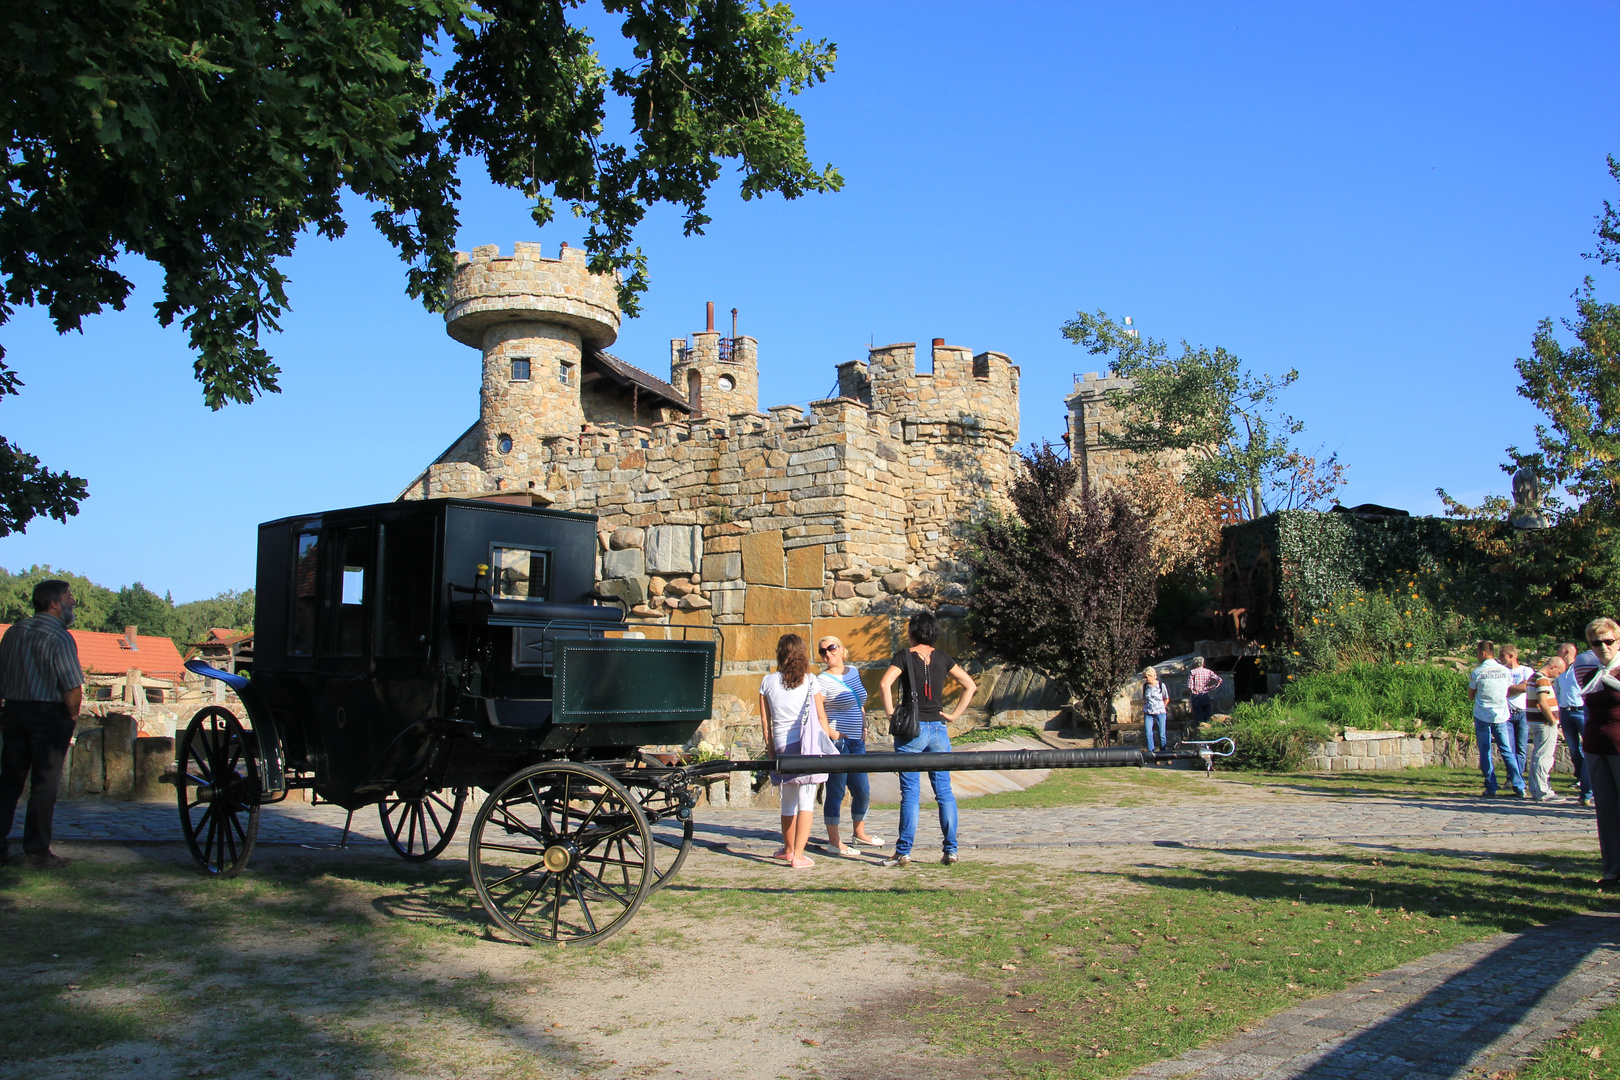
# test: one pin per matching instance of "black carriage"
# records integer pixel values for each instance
(414, 655)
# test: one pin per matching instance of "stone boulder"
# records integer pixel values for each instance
(624, 563)
(626, 537)
(675, 549)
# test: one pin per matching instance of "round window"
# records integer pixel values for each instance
(504, 444)
(727, 383)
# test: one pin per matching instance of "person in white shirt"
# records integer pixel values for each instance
(1488, 690)
(1572, 715)
(1520, 676)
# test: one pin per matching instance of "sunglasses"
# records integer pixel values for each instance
(825, 649)
(1603, 641)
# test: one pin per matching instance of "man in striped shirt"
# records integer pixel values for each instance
(1200, 681)
(43, 687)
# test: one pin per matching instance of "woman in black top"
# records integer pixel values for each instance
(933, 666)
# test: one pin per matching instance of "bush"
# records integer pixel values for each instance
(1371, 697)
(1269, 744)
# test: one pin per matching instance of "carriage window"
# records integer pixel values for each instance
(406, 588)
(351, 630)
(301, 640)
(519, 573)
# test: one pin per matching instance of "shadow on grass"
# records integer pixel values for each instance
(1455, 1022)
(203, 976)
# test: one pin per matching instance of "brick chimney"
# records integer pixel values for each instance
(130, 641)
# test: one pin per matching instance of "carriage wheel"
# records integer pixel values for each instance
(559, 853)
(217, 779)
(420, 826)
(671, 837)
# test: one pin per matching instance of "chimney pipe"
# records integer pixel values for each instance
(733, 324)
(710, 327)
(129, 636)
(939, 343)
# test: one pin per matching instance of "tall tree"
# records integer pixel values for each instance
(1067, 585)
(209, 135)
(1205, 405)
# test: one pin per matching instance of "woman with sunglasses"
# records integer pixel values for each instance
(1598, 673)
(846, 704)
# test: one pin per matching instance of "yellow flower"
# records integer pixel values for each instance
(1408, 644)
(1296, 652)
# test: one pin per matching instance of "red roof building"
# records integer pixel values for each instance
(115, 654)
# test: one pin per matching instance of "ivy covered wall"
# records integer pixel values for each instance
(1280, 569)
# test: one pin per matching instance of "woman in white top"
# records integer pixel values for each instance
(785, 697)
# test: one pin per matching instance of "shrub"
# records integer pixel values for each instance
(1269, 744)
(1372, 697)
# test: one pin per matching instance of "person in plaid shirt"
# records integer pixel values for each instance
(1199, 683)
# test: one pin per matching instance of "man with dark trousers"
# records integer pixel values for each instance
(43, 687)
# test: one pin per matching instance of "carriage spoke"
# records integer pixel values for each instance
(585, 909)
(605, 887)
(536, 892)
(527, 870)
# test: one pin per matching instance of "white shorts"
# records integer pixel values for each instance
(798, 799)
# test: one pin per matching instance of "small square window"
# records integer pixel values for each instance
(520, 369)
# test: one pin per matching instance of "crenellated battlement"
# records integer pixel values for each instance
(490, 288)
(962, 390)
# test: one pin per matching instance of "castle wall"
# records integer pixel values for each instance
(845, 518)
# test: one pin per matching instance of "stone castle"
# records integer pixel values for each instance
(842, 518)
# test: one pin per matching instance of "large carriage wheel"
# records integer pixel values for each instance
(671, 837)
(559, 853)
(217, 778)
(421, 824)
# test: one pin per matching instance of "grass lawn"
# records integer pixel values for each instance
(1093, 975)
(1589, 1051)
(1070, 967)
(1095, 787)
(1428, 782)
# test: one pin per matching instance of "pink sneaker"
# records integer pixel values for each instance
(803, 862)
(779, 853)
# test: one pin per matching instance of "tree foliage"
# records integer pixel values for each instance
(109, 611)
(1067, 585)
(208, 136)
(1206, 406)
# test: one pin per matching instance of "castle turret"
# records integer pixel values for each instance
(719, 376)
(533, 319)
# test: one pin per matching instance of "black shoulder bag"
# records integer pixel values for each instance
(903, 722)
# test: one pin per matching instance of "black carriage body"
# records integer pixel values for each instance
(383, 652)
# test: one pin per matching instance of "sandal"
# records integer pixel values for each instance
(803, 862)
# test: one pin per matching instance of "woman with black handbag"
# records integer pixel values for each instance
(919, 726)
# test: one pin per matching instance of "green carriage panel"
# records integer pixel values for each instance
(632, 692)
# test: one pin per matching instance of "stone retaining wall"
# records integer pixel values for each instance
(1360, 750)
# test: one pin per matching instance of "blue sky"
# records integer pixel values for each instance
(1386, 197)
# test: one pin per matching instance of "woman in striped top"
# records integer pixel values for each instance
(845, 703)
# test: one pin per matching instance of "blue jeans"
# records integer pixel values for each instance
(1502, 734)
(1572, 719)
(1202, 709)
(1149, 720)
(931, 738)
(859, 784)
(1521, 733)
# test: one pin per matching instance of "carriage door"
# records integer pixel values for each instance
(344, 652)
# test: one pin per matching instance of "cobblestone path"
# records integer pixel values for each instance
(1262, 820)
(1480, 1008)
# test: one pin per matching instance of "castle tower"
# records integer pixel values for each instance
(719, 376)
(534, 319)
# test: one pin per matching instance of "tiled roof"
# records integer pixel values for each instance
(110, 654)
(626, 373)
